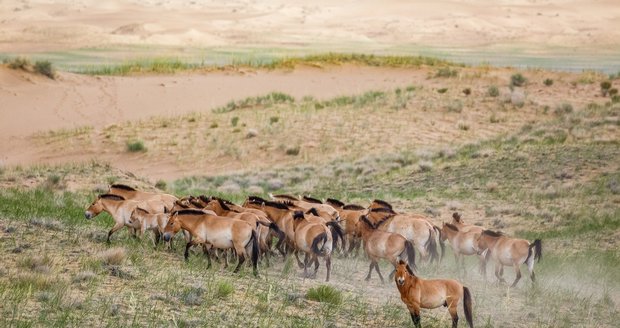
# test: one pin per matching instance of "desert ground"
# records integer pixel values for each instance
(506, 112)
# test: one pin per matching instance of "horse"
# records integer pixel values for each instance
(416, 229)
(120, 209)
(132, 193)
(315, 239)
(506, 251)
(458, 222)
(141, 220)
(325, 210)
(281, 215)
(384, 245)
(419, 293)
(349, 216)
(217, 232)
(462, 243)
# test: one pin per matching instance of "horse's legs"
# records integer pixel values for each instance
(206, 253)
(370, 270)
(328, 266)
(379, 272)
(518, 272)
(241, 260)
(306, 266)
(186, 253)
(415, 315)
(483, 267)
(299, 263)
(530, 268)
(113, 230)
(454, 314)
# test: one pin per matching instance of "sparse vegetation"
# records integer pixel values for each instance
(517, 80)
(548, 82)
(234, 121)
(44, 67)
(446, 72)
(136, 146)
(442, 90)
(325, 294)
(605, 86)
(493, 91)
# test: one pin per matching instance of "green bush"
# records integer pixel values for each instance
(493, 91)
(442, 90)
(224, 289)
(44, 67)
(605, 86)
(135, 146)
(234, 121)
(325, 294)
(446, 72)
(19, 63)
(274, 119)
(518, 80)
(548, 82)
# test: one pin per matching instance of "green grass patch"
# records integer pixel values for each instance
(325, 294)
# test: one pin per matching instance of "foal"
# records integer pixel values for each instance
(141, 220)
(419, 293)
(462, 243)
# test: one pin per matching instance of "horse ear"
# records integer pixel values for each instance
(401, 262)
(409, 270)
(456, 217)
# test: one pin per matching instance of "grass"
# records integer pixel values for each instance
(136, 146)
(42, 67)
(325, 294)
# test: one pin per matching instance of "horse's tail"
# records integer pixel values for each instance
(431, 246)
(537, 245)
(410, 250)
(254, 252)
(274, 227)
(320, 239)
(441, 244)
(467, 306)
(337, 232)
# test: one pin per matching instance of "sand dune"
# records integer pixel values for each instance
(36, 25)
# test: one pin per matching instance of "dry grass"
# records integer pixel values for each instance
(113, 256)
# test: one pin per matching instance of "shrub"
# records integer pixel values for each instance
(136, 146)
(325, 294)
(274, 119)
(113, 256)
(161, 185)
(493, 91)
(234, 121)
(293, 151)
(19, 63)
(446, 72)
(548, 82)
(605, 86)
(517, 80)
(442, 90)
(564, 108)
(44, 67)
(467, 91)
(224, 289)
(213, 125)
(612, 92)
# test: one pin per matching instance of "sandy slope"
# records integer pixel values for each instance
(37, 25)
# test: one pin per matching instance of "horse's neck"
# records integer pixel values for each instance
(189, 222)
(112, 206)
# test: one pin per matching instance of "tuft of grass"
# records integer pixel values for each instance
(493, 91)
(234, 121)
(267, 100)
(548, 82)
(442, 90)
(161, 185)
(141, 66)
(37, 263)
(564, 108)
(605, 86)
(192, 295)
(325, 294)
(517, 80)
(446, 72)
(19, 63)
(44, 67)
(136, 146)
(113, 256)
(467, 91)
(223, 290)
(274, 119)
(293, 151)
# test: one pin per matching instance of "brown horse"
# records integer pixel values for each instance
(458, 222)
(506, 251)
(416, 229)
(463, 243)
(349, 217)
(120, 209)
(132, 193)
(419, 293)
(315, 239)
(384, 245)
(141, 220)
(217, 232)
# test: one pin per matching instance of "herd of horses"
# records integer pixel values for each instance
(284, 224)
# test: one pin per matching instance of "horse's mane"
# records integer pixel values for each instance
(451, 227)
(313, 211)
(383, 210)
(457, 217)
(257, 200)
(353, 207)
(492, 233)
(336, 202)
(312, 200)
(140, 209)
(122, 186)
(223, 205)
(112, 197)
(298, 215)
(364, 219)
(225, 201)
(289, 197)
(382, 221)
(189, 211)
(382, 202)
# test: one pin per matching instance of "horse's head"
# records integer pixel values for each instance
(94, 209)
(172, 227)
(402, 272)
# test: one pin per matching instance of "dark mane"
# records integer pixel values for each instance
(335, 202)
(492, 233)
(180, 202)
(289, 197)
(196, 202)
(140, 209)
(298, 215)
(259, 201)
(205, 198)
(112, 197)
(382, 202)
(313, 211)
(123, 186)
(364, 219)
(456, 217)
(383, 210)
(382, 221)
(189, 211)
(225, 201)
(451, 227)
(223, 205)
(353, 207)
(312, 200)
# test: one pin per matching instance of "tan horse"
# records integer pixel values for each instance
(419, 293)
(416, 229)
(458, 222)
(463, 243)
(141, 220)
(315, 239)
(120, 209)
(506, 251)
(282, 214)
(349, 217)
(132, 193)
(306, 203)
(384, 245)
(217, 232)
